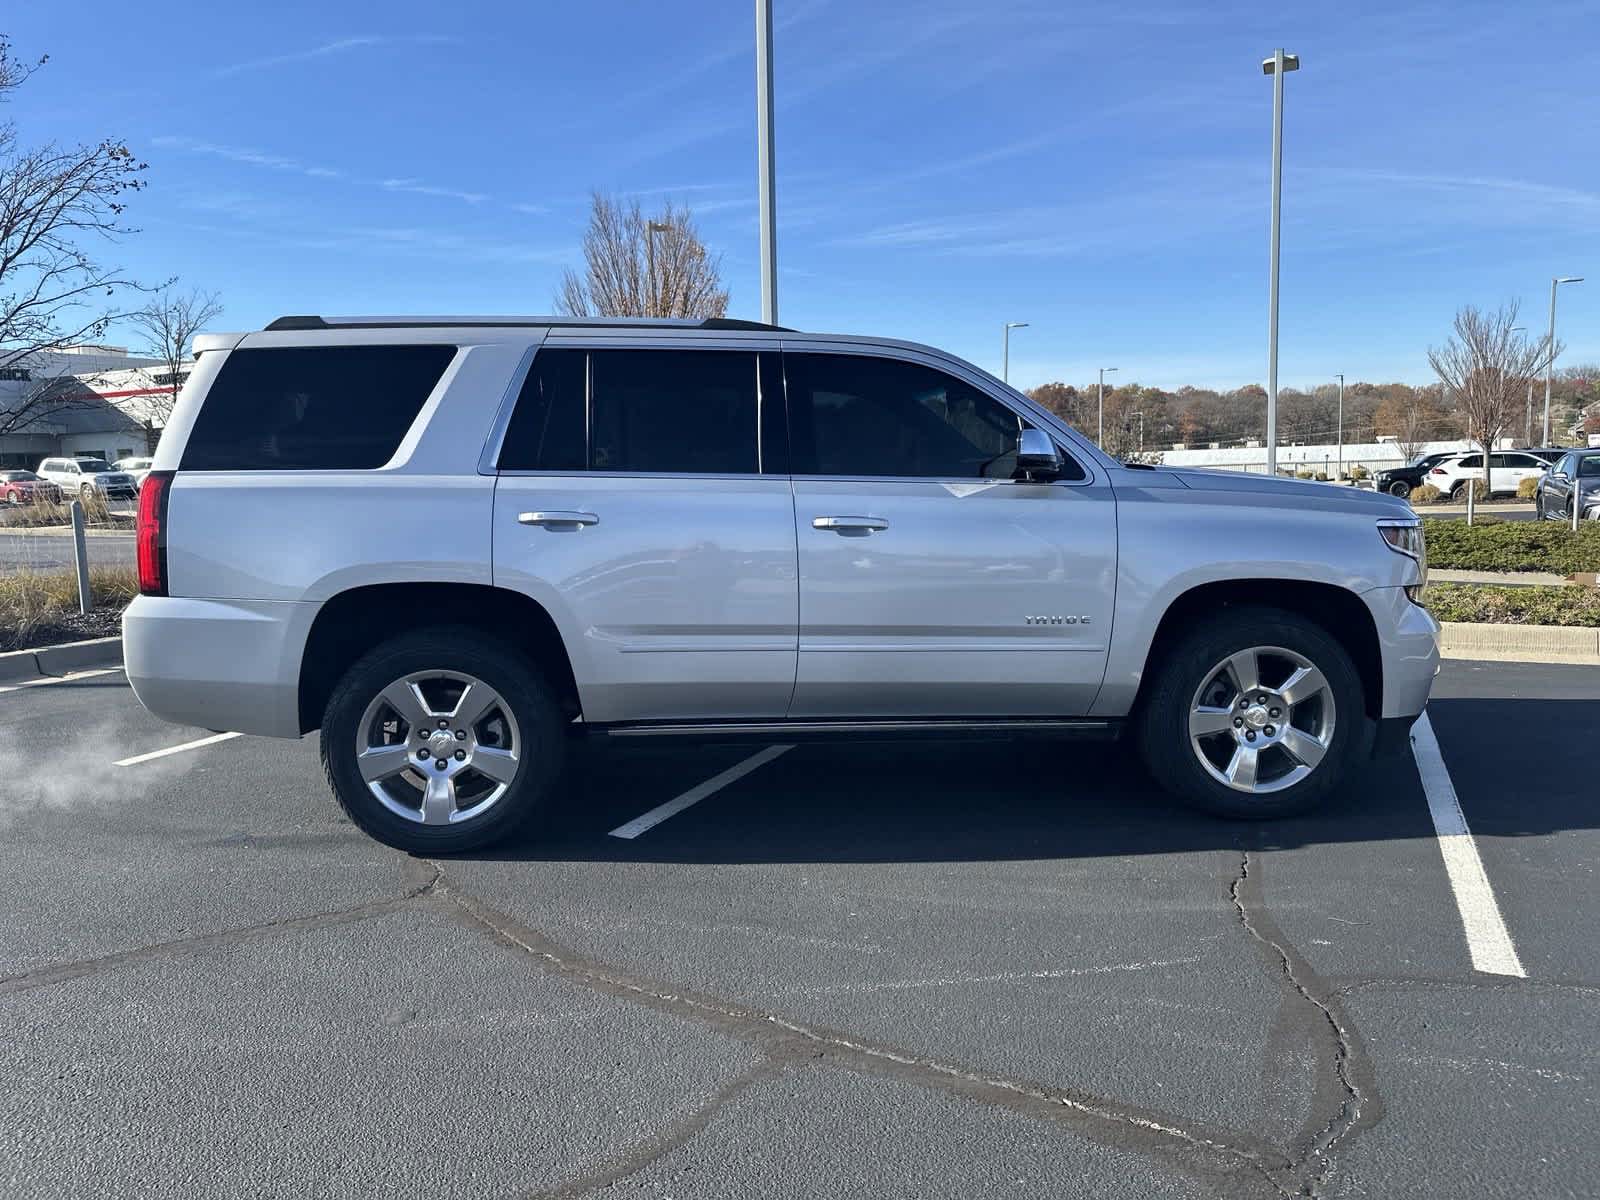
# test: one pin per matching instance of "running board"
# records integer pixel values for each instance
(863, 728)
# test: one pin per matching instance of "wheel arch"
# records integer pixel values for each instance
(1338, 610)
(352, 622)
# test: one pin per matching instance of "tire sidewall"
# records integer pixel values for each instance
(502, 668)
(1165, 740)
(1400, 488)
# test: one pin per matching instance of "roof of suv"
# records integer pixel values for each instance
(438, 322)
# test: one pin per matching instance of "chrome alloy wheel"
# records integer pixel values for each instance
(1262, 719)
(438, 747)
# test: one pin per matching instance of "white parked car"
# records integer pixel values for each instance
(1507, 470)
(137, 467)
(87, 476)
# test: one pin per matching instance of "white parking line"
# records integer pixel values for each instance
(194, 745)
(698, 793)
(1488, 940)
(70, 678)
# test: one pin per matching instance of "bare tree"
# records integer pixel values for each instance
(53, 199)
(1412, 416)
(167, 325)
(1486, 367)
(643, 268)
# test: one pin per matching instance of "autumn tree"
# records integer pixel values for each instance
(643, 267)
(56, 203)
(1486, 367)
(1413, 417)
(166, 326)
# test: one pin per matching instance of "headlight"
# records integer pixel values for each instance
(1405, 537)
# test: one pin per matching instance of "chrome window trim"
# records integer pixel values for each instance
(502, 417)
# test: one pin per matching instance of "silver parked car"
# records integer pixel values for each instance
(135, 468)
(451, 544)
(87, 477)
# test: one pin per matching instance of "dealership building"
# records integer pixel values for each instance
(99, 405)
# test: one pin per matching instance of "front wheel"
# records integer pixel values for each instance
(441, 741)
(1257, 713)
(1400, 488)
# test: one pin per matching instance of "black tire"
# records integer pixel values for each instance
(1400, 488)
(1163, 719)
(1459, 493)
(526, 693)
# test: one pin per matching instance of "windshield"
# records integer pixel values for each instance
(93, 464)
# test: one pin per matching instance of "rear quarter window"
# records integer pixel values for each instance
(308, 408)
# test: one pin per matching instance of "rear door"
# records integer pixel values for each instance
(643, 500)
(931, 584)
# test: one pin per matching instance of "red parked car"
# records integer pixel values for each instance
(21, 487)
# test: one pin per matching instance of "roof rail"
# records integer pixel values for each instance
(721, 323)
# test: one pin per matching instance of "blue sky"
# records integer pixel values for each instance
(1098, 171)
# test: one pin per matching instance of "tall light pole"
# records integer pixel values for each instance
(1527, 420)
(764, 165)
(1340, 476)
(1277, 66)
(1100, 435)
(1005, 352)
(1550, 366)
(650, 230)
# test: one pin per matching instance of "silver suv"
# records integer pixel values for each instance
(452, 544)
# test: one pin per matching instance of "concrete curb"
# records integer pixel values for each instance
(60, 660)
(1520, 643)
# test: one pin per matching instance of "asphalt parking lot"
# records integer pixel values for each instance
(993, 969)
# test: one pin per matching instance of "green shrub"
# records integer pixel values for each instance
(1513, 546)
(1514, 605)
(1527, 488)
(1426, 494)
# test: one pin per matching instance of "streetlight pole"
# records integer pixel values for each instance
(1005, 352)
(1550, 346)
(764, 165)
(650, 230)
(1100, 434)
(1277, 66)
(1339, 478)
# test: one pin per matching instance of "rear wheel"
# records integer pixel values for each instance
(441, 741)
(1256, 714)
(1400, 488)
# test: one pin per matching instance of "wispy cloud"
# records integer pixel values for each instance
(279, 162)
(418, 188)
(328, 49)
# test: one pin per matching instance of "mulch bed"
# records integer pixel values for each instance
(69, 627)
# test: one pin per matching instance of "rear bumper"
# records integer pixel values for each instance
(220, 664)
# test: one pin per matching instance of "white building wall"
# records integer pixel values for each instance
(1375, 456)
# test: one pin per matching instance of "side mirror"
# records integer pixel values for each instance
(1037, 457)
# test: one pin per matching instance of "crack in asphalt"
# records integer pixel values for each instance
(1189, 1146)
(1192, 1147)
(1354, 1102)
(421, 884)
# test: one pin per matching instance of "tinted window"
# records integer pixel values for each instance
(859, 415)
(673, 410)
(312, 408)
(1471, 460)
(1589, 467)
(547, 427)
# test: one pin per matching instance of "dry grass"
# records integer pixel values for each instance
(42, 512)
(30, 598)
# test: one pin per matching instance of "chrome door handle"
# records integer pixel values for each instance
(558, 518)
(850, 524)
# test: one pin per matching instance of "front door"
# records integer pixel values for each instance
(632, 504)
(931, 584)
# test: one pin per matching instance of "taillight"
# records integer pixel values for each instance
(1437, 471)
(152, 533)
